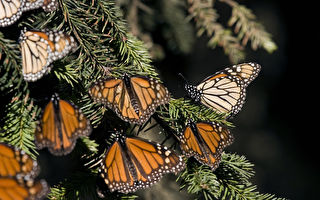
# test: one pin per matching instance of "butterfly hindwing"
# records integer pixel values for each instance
(136, 163)
(40, 48)
(17, 173)
(60, 125)
(205, 141)
(134, 99)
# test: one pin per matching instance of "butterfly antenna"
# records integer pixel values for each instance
(185, 80)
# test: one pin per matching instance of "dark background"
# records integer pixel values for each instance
(275, 129)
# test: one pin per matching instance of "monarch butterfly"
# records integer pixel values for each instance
(40, 48)
(134, 98)
(225, 91)
(60, 125)
(135, 163)
(11, 10)
(17, 171)
(205, 141)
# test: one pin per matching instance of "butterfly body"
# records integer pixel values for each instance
(60, 125)
(134, 163)
(205, 141)
(134, 99)
(225, 91)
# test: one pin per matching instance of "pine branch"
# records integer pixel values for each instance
(205, 18)
(248, 29)
(230, 181)
(10, 75)
(20, 123)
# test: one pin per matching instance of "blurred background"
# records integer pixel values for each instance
(274, 130)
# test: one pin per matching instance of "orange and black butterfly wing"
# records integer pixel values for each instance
(151, 161)
(215, 138)
(113, 93)
(61, 124)
(246, 71)
(114, 169)
(13, 189)
(17, 171)
(148, 94)
(205, 141)
(137, 163)
(15, 162)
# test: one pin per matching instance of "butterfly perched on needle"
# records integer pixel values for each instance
(225, 91)
(40, 48)
(205, 141)
(60, 126)
(17, 174)
(11, 10)
(133, 163)
(133, 98)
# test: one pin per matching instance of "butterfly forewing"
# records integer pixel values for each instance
(135, 163)
(61, 124)
(134, 99)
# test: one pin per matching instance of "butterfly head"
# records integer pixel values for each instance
(193, 92)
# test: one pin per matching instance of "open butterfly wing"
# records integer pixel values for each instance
(115, 171)
(15, 162)
(152, 160)
(59, 129)
(215, 137)
(114, 94)
(135, 104)
(190, 144)
(17, 171)
(206, 142)
(150, 94)
(137, 165)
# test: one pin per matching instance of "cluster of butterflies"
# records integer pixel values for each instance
(130, 163)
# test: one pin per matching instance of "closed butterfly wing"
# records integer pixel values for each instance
(61, 124)
(225, 91)
(11, 10)
(17, 173)
(133, 99)
(205, 141)
(247, 72)
(40, 48)
(134, 163)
